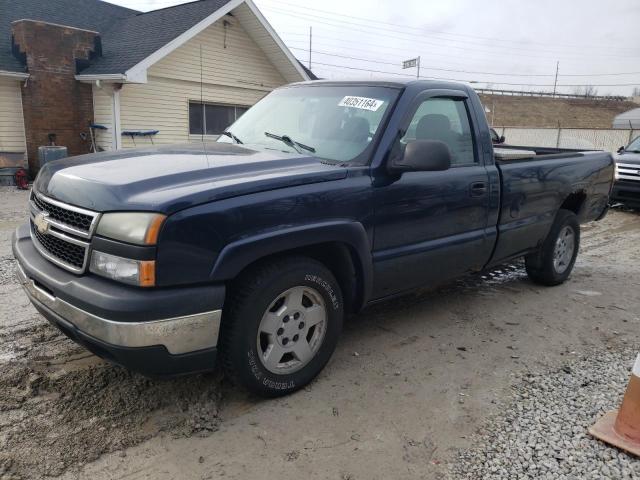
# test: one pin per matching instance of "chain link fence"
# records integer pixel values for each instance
(583, 138)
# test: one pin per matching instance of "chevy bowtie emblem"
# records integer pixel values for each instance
(41, 223)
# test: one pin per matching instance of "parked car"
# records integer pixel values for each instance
(321, 199)
(626, 188)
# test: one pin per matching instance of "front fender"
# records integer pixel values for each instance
(236, 256)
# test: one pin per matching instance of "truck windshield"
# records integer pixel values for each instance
(334, 123)
(634, 146)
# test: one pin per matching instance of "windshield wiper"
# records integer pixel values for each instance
(291, 143)
(227, 133)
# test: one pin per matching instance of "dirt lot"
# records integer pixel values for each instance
(413, 386)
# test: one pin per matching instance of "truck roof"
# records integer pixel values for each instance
(389, 82)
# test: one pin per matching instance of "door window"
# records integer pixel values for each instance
(445, 120)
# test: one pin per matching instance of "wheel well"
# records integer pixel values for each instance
(339, 259)
(574, 202)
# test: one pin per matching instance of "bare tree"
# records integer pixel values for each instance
(586, 91)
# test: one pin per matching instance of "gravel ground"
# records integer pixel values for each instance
(444, 384)
(542, 432)
(60, 406)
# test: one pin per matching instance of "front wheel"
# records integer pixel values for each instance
(281, 325)
(553, 264)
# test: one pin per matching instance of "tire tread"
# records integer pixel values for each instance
(242, 291)
(539, 266)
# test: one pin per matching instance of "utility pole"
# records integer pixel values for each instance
(555, 83)
(418, 74)
(310, 44)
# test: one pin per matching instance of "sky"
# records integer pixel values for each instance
(506, 44)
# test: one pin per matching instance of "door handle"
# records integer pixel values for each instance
(478, 189)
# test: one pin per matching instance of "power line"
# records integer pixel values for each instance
(475, 81)
(469, 71)
(348, 47)
(377, 46)
(420, 38)
(421, 30)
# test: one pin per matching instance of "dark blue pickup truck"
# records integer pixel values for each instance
(321, 199)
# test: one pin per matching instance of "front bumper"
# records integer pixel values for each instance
(626, 192)
(160, 332)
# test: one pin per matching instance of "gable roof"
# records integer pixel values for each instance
(93, 15)
(132, 41)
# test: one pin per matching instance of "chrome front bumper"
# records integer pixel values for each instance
(178, 335)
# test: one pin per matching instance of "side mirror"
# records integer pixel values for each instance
(501, 139)
(621, 149)
(423, 156)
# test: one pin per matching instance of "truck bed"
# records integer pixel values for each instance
(509, 153)
(535, 184)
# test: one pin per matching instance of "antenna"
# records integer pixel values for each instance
(204, 117)
(310, 44)
(202, 98)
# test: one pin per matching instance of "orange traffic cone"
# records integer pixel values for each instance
(621, 428)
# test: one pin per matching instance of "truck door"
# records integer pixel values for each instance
(431, 226)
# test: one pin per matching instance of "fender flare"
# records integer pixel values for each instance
(237, 255)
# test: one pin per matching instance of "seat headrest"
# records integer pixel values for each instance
(356, 129)
(432, 125)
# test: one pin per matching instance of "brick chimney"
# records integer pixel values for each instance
(53, 101)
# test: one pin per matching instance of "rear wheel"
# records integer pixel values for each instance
(281, 325)
(553, 264)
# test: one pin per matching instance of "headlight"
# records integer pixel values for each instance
(141, 228)
(616, 173)
(134, 272)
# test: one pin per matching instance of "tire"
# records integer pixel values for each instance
(553, 264)
(281, 325)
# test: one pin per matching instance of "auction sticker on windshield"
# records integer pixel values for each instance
(362, 103)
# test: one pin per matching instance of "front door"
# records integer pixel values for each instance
(431, 226)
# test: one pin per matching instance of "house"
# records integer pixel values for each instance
(165, 76)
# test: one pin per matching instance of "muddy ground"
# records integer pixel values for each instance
(411, 383)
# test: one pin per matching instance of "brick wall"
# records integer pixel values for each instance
(53, 101)
(524, 111)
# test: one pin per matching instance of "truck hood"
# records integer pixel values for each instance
(168, 179)
(628, 157)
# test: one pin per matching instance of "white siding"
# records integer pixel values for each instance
(103, 115)
(163, 104)
(241, 63)
(239, 74)
(12, 138)
(268, 45)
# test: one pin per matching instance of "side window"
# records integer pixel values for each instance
(446, 120)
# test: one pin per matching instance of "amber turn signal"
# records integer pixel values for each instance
(153, 230)
(147, 273)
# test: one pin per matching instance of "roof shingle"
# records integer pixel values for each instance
(93, 15)
(127, 36)
(134, 38)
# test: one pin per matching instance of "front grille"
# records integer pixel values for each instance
(66, 253)
(62, 232)
(67, 216)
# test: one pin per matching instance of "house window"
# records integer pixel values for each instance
(210, 119)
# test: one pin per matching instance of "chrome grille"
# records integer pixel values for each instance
(61, 232)
(67, 253)
(68, 218)
(74, 219)
(628, 171)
